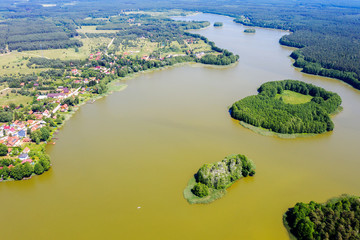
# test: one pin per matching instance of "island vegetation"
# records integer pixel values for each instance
(338, 218)
(212, 180)
(218, 24)
(288, 107)
(249, 30)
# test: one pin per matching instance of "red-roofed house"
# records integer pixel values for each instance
(26, 150)
(13, 141)
(26, 160)
(34, 128)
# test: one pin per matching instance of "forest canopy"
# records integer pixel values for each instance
(339, 218)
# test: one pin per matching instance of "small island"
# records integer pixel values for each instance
(338, 218)
(249, 30)
(218, 24)
(212, 180)
(287, 108)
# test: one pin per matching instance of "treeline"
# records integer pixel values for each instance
(337, 219)
(226, 58)
(53, 63)
(311, 66)
(264, 110)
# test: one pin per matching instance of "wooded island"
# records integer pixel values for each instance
(288, 107)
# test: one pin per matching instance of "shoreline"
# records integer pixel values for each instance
(214, 194)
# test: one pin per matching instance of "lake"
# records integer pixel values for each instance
(120, 165)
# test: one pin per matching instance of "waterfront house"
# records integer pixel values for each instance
(26, 160)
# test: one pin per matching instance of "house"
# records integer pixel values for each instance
(26, 150)
(26, 160)
(74, 71)
(25, 140)
(46, 113)
(13, 141)
(38, 116)
(34, 128)
(66, 90)
(23, 156)
(64, 108)
(21, 134)
(55, 95)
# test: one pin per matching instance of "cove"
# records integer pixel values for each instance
(139, 148)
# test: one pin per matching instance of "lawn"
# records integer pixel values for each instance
(291, 97)
(13, 98)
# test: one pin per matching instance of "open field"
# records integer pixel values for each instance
(13, 98)
(145, 47)
(15, 62)
(90, 45)
(291, 97)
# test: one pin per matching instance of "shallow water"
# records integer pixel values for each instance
(139, 148)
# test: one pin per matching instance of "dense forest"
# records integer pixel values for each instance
(266, 111)
(339, 218)
(327, 32)
(32, 34)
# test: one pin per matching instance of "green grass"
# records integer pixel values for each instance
(14, 98)
(115, 87)
(193, 199)
(291, 97)
(266, 132)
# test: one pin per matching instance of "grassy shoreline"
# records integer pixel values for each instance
(214, 194)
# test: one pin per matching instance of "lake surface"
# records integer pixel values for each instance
(139, 148)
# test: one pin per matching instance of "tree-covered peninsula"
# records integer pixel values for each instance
(212, 180)
(338, 218)
(288, 107)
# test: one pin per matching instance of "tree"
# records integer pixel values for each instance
(200, 190)
(45, 133)
(5, 173)
(27, 169)
(45, 161)
(3, 150)
(38, 169)
(17, 172)
(35, 136)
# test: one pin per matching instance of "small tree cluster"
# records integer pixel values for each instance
(200, 190)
